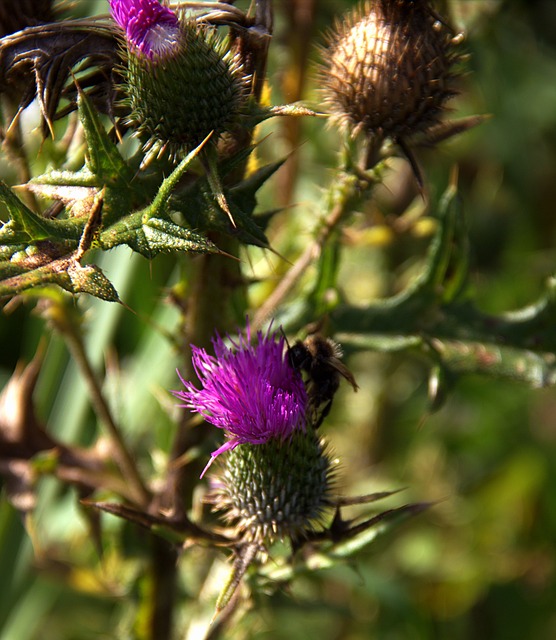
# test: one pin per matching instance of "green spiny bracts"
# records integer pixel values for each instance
(389, 69)
(276, 490)
(178, 98)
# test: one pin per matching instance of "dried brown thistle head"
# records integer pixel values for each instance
(389, 71)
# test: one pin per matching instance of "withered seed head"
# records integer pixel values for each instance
(389, 69)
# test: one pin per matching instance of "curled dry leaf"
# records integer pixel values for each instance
(46, 61)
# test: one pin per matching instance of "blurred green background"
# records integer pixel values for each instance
(481, 563)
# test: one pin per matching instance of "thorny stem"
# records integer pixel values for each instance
(123, 457)
(343, 196)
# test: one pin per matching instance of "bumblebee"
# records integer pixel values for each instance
(319, 358)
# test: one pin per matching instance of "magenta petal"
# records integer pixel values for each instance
(228, 446)
(248, 390)
(149, 26)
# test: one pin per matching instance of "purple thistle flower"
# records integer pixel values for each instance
(250, 391)
(149, 27)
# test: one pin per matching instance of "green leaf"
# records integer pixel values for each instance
(426, 286)
(65, 179)
(244, 193)
(15, 259)
(210, 160)
(503, 362)
(103, 158)
(407, 311)
(90, 279)
(258, 113)
(202, 211)
(26, 227)
(381, 342)
(24, 224)
(151, 236)
(364, 533)
(66, 273)
(160, 204)
(200, 203)
(165, 236)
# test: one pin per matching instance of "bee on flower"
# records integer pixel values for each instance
(277, 477)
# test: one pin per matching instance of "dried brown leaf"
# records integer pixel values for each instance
(45, 61)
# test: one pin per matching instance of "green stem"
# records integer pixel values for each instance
(216, 301)
(213, 281)
(345, 192)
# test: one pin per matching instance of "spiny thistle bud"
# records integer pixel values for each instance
(180, 80)
(275, 481)
(276, 490)
(389, 70)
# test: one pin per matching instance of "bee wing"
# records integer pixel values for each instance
(341, 368)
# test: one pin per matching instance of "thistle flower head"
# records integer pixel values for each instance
(275, 480)
(388, 69)
(150, 28)
(248, 390)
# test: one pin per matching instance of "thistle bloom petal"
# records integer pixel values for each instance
(149, 27)
(249, 390)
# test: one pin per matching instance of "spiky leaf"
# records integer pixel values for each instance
(150, 236)
(26, 227)
(103, 158)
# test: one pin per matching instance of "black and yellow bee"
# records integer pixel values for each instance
(319, 358)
